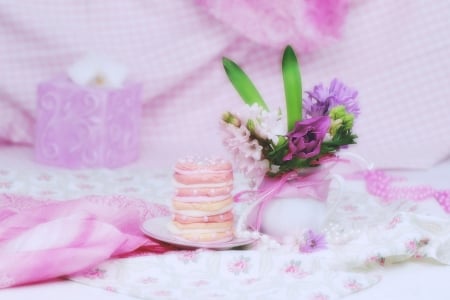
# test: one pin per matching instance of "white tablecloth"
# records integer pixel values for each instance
(409, 279)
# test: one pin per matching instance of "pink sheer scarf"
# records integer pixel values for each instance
(45, 239)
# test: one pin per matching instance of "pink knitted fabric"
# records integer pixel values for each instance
(175, 48)
(306, 25)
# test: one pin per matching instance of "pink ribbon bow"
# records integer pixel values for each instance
(314, 184)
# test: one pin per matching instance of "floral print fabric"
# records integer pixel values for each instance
(363, 235)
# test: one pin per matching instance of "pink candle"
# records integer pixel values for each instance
(80, 126)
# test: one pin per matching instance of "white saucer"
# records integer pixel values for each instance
(157, 228)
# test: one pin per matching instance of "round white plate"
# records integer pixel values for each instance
(157, 228)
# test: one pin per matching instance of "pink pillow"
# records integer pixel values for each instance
(306, 25)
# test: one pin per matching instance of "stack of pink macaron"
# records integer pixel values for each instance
(202, 205)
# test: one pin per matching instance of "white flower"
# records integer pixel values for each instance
(268, 124)
(274, 168)
(93, 70)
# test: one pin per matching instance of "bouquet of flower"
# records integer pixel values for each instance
(317, 126)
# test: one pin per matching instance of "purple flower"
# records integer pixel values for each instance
(312, 242)
(321, 100)
(306, 137)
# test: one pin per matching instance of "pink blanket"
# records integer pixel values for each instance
(44, 239)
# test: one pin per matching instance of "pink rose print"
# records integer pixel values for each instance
(358, 218)
(187, 256)
(47, 193)
(149, 279)
(95, 274)
(5, 184)
(44, 177)
(393, 223)
(130, 189)
(378, 259)
(163, 293)
(320, 296)
(200, 283)
(216, 295)
(293, 269)
(250, 281)
(411, 246)
(353, 285)
(85, 186)
(239, 265)
(82, 176)
(415, 247)
(110, 289)
(413, 208)
(350, 208)
(4, 172)
(124, 179)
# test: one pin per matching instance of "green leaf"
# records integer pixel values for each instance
(343, 137)
(292, 87)
(278, 151)
(242, 83)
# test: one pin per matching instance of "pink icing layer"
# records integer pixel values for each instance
(198, 199)
(183, 219)
(196, 178)
(203, 164)
(186, 192)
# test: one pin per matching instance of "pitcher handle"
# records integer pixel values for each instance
(362, 163)
(241, 224)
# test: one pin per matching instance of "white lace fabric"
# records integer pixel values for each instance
(363, 236)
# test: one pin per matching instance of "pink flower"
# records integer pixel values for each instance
(187, 256)
(252, 149)
(411, 245)
(149, 280)
(253, 169)
(353, 285)
(235, 137)
(313, 242)
(239, 265)
(306, 138)
(320, 297)
(294, 269)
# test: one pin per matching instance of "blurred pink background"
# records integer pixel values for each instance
(395, 53)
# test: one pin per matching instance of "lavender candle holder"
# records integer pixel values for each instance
(82, 126)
